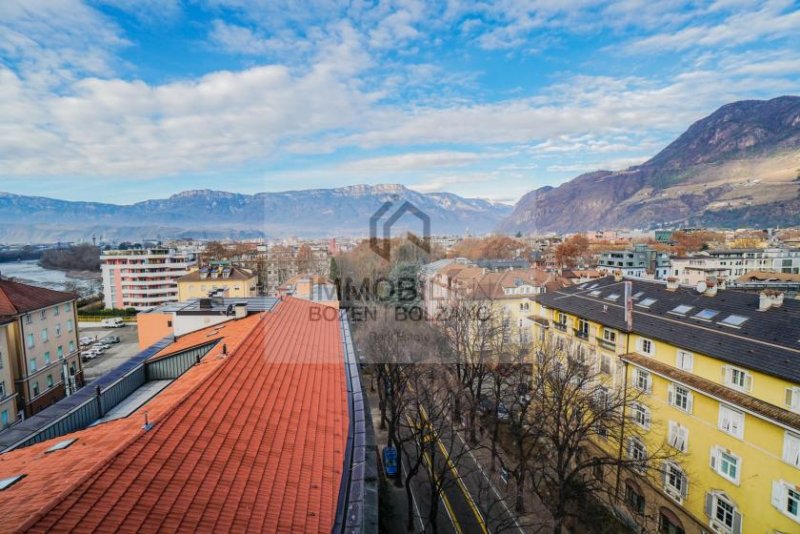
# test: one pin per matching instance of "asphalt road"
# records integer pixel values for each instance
(117, 354)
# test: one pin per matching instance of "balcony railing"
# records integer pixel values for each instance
(560, 326)
(581, 333)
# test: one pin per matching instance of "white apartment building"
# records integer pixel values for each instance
(143, 278)
(733, 263)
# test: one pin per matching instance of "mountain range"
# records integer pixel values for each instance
(740, 166)
(343, 211)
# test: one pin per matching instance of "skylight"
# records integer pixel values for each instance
(646, 303)
(595, 293)
(6, 483)
(734, 320)
(683, 309)
(593, 286)
(706, 314)
(612, 296)
(582, 286)
(61, 445)
(638, 294)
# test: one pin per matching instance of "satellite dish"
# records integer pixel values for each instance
(701, 287)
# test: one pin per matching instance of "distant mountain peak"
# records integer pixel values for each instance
(736, 166)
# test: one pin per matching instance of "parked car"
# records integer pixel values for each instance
(111, 339)
(390, 461)
(484, 405)
(112, 322)
(502, 412)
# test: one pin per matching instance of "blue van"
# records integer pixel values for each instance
(390, 461)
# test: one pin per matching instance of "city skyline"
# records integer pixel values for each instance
(106, 102)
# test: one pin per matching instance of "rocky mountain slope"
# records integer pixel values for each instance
(740, 166)
(208, 214)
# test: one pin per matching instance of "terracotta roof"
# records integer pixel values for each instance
(16, 298)
(765, 276)
(249, 442)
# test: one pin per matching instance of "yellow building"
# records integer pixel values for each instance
(219, 278)
(719, 373)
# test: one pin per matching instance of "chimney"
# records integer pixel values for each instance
(672, 283)
(711, 287)
(617, 275)
(769, 298)
(240, 310)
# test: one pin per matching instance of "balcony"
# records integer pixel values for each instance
(583, 334)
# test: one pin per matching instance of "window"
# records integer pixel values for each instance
(645, 346)
(641, 415)
(637, 452)
(595, 293)
(71, 346)
(786, 498)
(44, 335)
(737, 378)
(32, 365)
(678, 436)
(605, 364)
(30, 342)
(634, 499)
(601, 398)
(597, 471)
(609, 336)
(6, 483)
(638, 294)
(706, 315)
(684, 360)
(723, 514)
(734, 321)
(44, 314)
(56, 311)
(58, 330)
(791, 449)
(642, 380)
(680, 397)
(524, 306)
(35, 388)
(583, 329)
(675, 483)
(47, 358)
(731, 421)
(67, 307)
(725, 463)
(793, 398)
(646, 303)
(2, 390)
(61, 445)
(613, 297)
(69, 325)
(28, 318)
(49, 381)
(683, 309)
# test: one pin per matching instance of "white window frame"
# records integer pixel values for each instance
(716, 464)
(791, 449)
(792, 400)
(681, 359)
(673, 470)
(640, 375)
(672, 397)
(645, 346)
(714, 523)
(640, 414)
(610, 336)
(781, 496)
(731, 421)
(729, 372)
(636, 444)
(678, 436)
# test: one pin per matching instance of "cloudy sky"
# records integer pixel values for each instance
(122, 100)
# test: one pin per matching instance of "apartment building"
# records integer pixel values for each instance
(39, 352)
(719, 376)
(733, 263)
(641, 262)
(218, 277)
(143, 278)
(310, 287)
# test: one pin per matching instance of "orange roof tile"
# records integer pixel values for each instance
(16, 298)
(251, 441)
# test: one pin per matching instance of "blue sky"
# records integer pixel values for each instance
(123, 100)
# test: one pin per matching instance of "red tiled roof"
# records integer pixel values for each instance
(249, 442)
(16, 298)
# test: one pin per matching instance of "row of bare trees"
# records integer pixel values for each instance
(542, 410)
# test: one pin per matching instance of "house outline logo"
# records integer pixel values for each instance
(383, 246)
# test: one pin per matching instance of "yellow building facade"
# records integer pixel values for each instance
(720, 396)
(231, 281)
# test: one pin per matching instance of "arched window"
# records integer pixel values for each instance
(668, 522)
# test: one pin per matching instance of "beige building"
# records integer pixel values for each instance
(310, 287)
(39, 351)
(220, 278)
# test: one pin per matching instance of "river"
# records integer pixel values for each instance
(30, 272)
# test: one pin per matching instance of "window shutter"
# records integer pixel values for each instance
(684, 438)
(689, 402)
(737, 522)
(684, 486)
(791, 449)
(714, 454)
(671, 394)
(709, 507)
(726, 374)
(777, 494)
(665, 473)
(789, 397)
(748, 382)
(672, 435)
(639, 345)
(649, 383)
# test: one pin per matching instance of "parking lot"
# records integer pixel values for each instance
(116, 354)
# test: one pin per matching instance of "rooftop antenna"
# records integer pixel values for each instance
(147, 425)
